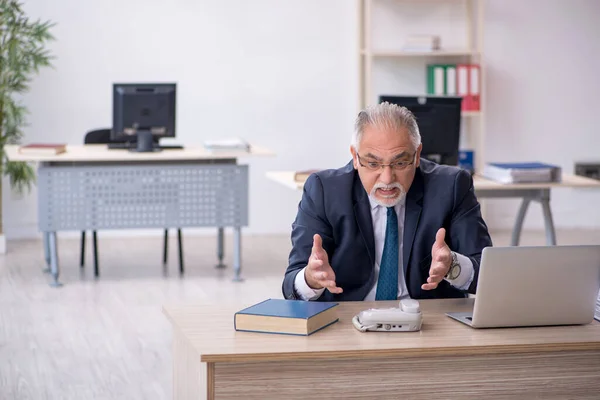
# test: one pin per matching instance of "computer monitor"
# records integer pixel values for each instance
(143, 113)
(439, 120)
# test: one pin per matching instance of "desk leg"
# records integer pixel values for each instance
(220, 247)
(95, 245)
(210, 381)
(54, 259)
(180, 243)
(237, 255)
(165, 247)
(516, 234)
(548, 223)
(46, 239)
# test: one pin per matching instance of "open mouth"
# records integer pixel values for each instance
(393, 192)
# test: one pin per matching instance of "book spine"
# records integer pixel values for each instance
(462, 83)
(451, 80)
(439, 81)
(430, 79)
(474, 84)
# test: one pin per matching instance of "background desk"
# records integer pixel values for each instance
(528, 192)
(446, 360)
(92, 188)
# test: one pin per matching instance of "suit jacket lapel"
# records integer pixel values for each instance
(414, 205)
(362, 213)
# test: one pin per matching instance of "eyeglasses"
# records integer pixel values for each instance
(375, 166)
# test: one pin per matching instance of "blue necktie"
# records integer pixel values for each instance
(387, 285)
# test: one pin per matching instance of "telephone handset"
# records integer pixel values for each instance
(406, 318)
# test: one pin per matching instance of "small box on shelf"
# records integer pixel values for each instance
(422, 43)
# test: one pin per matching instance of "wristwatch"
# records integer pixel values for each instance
(454, 270)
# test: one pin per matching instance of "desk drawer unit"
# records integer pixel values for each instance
(136, 195)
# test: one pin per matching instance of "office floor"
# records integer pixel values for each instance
(108, 338)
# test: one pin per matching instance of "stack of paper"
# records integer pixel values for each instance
(234, 144)
(533, 172)
(422, 43)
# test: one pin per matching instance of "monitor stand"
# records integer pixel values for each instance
(145, 143)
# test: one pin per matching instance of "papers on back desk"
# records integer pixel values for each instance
(232, 144)
(533, 172)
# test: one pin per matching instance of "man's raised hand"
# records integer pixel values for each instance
(318, 273)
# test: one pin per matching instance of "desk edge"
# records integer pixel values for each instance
(404, 353)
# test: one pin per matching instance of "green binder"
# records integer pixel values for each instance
(436, 79)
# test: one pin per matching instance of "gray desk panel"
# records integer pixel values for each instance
(120, 196)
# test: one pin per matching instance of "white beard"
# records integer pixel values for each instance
(388, 201)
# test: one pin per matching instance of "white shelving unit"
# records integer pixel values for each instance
(384, 69)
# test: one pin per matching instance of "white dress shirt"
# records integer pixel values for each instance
(379, 217)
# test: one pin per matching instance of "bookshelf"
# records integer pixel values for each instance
(386, 69)
(438, 53)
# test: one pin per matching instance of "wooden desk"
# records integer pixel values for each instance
(528, 192)
(446, 359)
(91, 187)
(100, 153)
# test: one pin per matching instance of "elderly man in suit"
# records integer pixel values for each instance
(388, 225)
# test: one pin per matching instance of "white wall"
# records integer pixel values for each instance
(283, 74)
(543, 78)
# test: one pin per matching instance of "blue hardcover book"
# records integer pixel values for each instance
(291, 317)
(528, 172)
(526, 165)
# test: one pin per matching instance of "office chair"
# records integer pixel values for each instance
(102, 136)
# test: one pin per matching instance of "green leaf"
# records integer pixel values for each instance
(23, 52)
(22, 175)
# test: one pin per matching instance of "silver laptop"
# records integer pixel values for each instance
(535, 286)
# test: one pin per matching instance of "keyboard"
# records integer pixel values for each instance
(127, 146)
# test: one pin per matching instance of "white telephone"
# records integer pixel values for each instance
(406, 318)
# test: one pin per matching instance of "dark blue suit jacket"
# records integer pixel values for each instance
(336, 206)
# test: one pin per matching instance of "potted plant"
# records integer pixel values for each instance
(22, 54)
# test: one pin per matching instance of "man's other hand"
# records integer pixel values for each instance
(441, 260)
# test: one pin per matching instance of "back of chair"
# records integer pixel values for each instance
(97, 136)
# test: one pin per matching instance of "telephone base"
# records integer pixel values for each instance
(406, 318)
(385, 327)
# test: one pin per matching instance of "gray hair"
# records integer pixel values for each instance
(386, 116)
